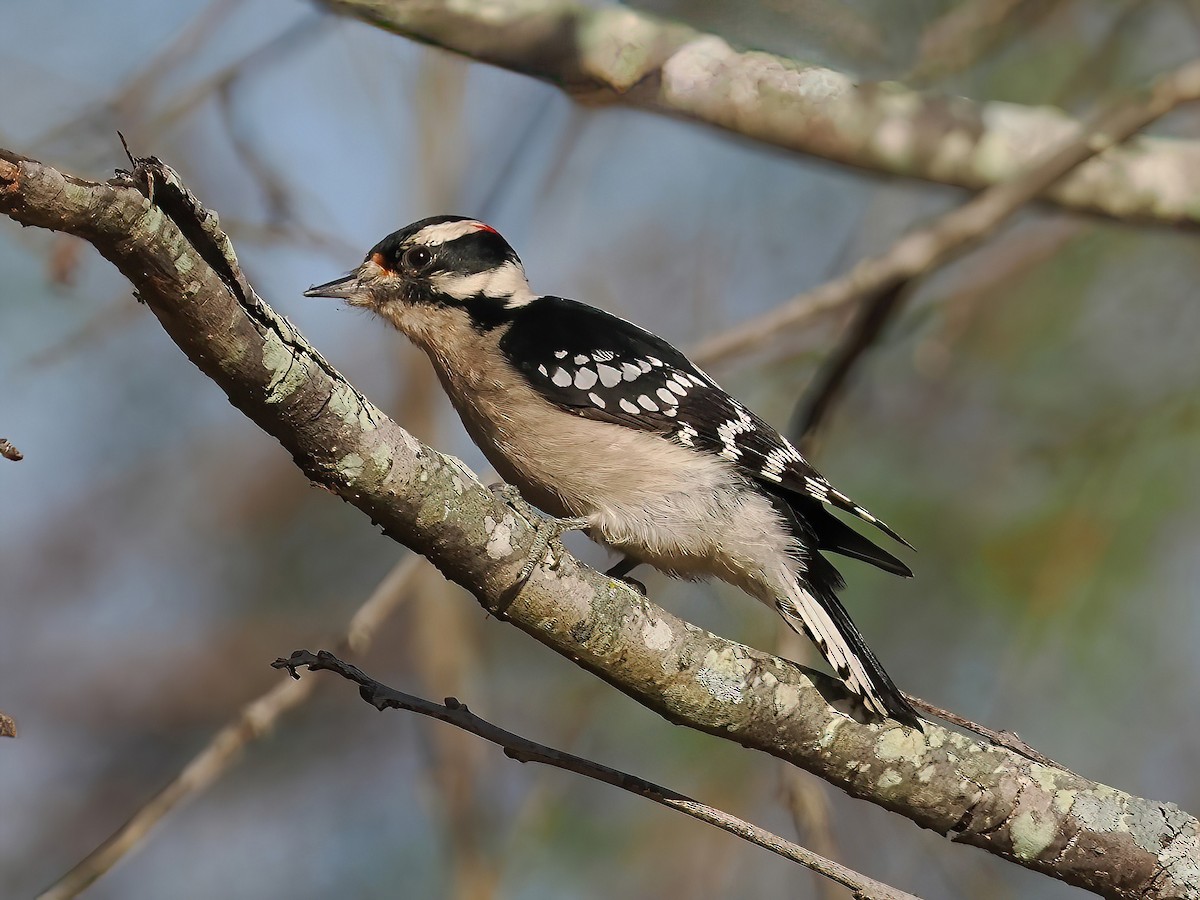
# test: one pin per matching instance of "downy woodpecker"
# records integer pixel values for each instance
(591, 417)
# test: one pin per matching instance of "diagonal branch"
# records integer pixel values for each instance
(616, 54)
(524, 750)
(924, 249)
(182, 266)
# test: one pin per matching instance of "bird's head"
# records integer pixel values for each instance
(447, 262)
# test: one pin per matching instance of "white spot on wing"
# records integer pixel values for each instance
(597, 399)
(666, 396)
(561, 377)
(630, 371)
(647, 404)
(776, 462)
(580, 360)
(542, 370)
(817, 488)
(608, 375)
(728, 433)
(560, 354)
(585, 378)
(628, 407)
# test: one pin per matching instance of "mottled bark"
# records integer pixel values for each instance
(614, 54)
(184, 269)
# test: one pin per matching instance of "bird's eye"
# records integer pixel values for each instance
(418, 258)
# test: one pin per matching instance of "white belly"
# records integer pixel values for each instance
(687, 513)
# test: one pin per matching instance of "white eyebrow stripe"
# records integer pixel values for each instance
(432, 235)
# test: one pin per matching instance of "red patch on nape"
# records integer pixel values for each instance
(378, 259)
(481, 226)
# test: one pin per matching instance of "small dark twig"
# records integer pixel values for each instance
(8, 451)
(876, 311)
(1007, 739)
(524, 750)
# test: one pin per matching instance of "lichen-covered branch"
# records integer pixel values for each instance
(183, 267)
(620, 55)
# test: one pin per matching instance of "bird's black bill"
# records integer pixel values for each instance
(339, 289)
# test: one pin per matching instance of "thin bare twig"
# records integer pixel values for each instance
(931, 246)
(255, 720)
(835, 373)
(133, 98)
(524, 750)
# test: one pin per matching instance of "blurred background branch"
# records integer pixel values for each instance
(253, 722)
(880, 282)
(615, 54)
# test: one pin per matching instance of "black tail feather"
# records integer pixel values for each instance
(836, 536)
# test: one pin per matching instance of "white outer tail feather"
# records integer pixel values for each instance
(823, 632)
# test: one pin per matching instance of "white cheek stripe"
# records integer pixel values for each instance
(507, 283)
(432, 235)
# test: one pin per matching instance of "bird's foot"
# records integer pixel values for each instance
(507, 494)
(621, 572)
(548, 529)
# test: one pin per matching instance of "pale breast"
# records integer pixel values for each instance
(685, 512)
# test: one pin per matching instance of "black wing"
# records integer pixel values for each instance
(603, 367)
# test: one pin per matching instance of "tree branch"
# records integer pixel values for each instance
(183, 267)
(924, 249)
(616, 54)
(524, 750)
